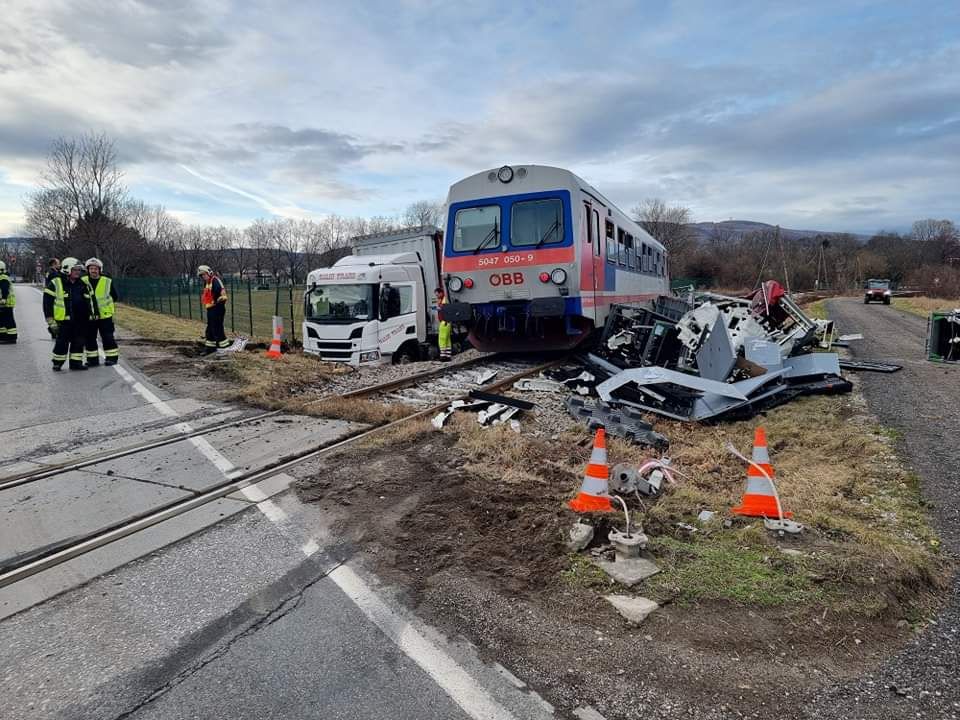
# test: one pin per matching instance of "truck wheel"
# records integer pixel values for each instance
(886, 301)
(866, 301)
(406, 355)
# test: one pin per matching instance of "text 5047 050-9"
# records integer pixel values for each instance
(495, 260)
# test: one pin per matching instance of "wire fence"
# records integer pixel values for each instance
(250, 308)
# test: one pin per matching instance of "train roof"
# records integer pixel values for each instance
(530, 178)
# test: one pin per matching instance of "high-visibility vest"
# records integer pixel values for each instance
(103, 307)
(59, 299)
(206, 297)
(11, 297)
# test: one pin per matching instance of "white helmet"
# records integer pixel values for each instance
(3, 266)
(94, 261)
(69, 263)
(204, 269)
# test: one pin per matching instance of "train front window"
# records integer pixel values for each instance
(536, 222)
(477, 228)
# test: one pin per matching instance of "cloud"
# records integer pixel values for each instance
(814, 113)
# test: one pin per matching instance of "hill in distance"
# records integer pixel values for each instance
(736, 228)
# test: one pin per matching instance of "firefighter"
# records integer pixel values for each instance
(8, 299)
(444, 339)
(54, 269)
(103, 296)
(214, 300)
(66, 306)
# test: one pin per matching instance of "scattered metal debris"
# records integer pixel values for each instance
(869, 365)
(710, 355)
(626, 423)
(486, 376)
(538, 385)
(943, 336)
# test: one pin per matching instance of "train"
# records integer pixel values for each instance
(534, 258)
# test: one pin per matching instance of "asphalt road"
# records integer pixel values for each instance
(242, 610)
(921, 402)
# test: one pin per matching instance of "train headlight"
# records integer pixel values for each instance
(455, 284)
(468, 283)
(505, 174)
(544, 277)
(559, 276)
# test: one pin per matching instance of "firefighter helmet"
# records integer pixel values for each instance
(204, 270)
(94, 261)
(3, 266)
(68, 264)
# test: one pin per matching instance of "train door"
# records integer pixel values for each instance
(589, 279)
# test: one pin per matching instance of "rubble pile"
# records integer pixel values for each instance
(706, 355)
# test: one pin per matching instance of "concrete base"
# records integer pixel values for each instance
(628, 571)
(633, 609)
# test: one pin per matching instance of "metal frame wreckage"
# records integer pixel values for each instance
(700, 356)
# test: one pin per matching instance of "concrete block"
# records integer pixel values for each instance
(628, 571)
(579, 536)
(633, 609)
(587, 713)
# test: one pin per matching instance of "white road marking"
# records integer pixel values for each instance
(453, 679)
(269, 508)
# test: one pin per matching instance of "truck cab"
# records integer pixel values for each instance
(377, 305)
(877, 291)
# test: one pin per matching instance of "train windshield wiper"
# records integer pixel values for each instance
(492, 234)
(550, 231)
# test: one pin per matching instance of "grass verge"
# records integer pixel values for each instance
(158, 327)
(923, 306)
(868, 550)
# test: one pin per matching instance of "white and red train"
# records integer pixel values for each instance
(534, 257)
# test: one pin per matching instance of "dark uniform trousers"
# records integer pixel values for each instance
(71, 337)
(216, 336)
(105, 329)
(8, 326)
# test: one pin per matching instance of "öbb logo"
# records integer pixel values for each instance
(506, 279)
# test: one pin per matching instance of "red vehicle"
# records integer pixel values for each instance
(878, 291)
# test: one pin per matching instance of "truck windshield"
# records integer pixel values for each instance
(477, 226)
(341, 303)
(878, 284)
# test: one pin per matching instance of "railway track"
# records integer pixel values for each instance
(441, 386)
(51, 470)
(41, 559)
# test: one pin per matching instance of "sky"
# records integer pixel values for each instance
(840, 115)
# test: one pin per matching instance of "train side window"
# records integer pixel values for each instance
(621, 247)
(659, 264)
(611, 244)
(596, 233)
(588, 227)
(631, 252)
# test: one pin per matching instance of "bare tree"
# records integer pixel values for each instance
(423, 212)
(670, 224)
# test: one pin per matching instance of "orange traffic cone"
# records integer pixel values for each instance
(594, 495)
(760, 499)
(274, 351)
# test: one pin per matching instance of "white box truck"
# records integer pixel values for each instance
(376, 305)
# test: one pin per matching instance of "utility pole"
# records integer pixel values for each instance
(783, 258)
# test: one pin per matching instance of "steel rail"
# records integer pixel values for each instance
(12, 481)
(59, 553)
(414, 379)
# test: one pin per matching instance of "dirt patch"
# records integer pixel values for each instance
(470, 523)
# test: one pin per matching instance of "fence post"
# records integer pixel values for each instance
(293, 324)
(179, 299)
(233, 304)
(250, 306)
